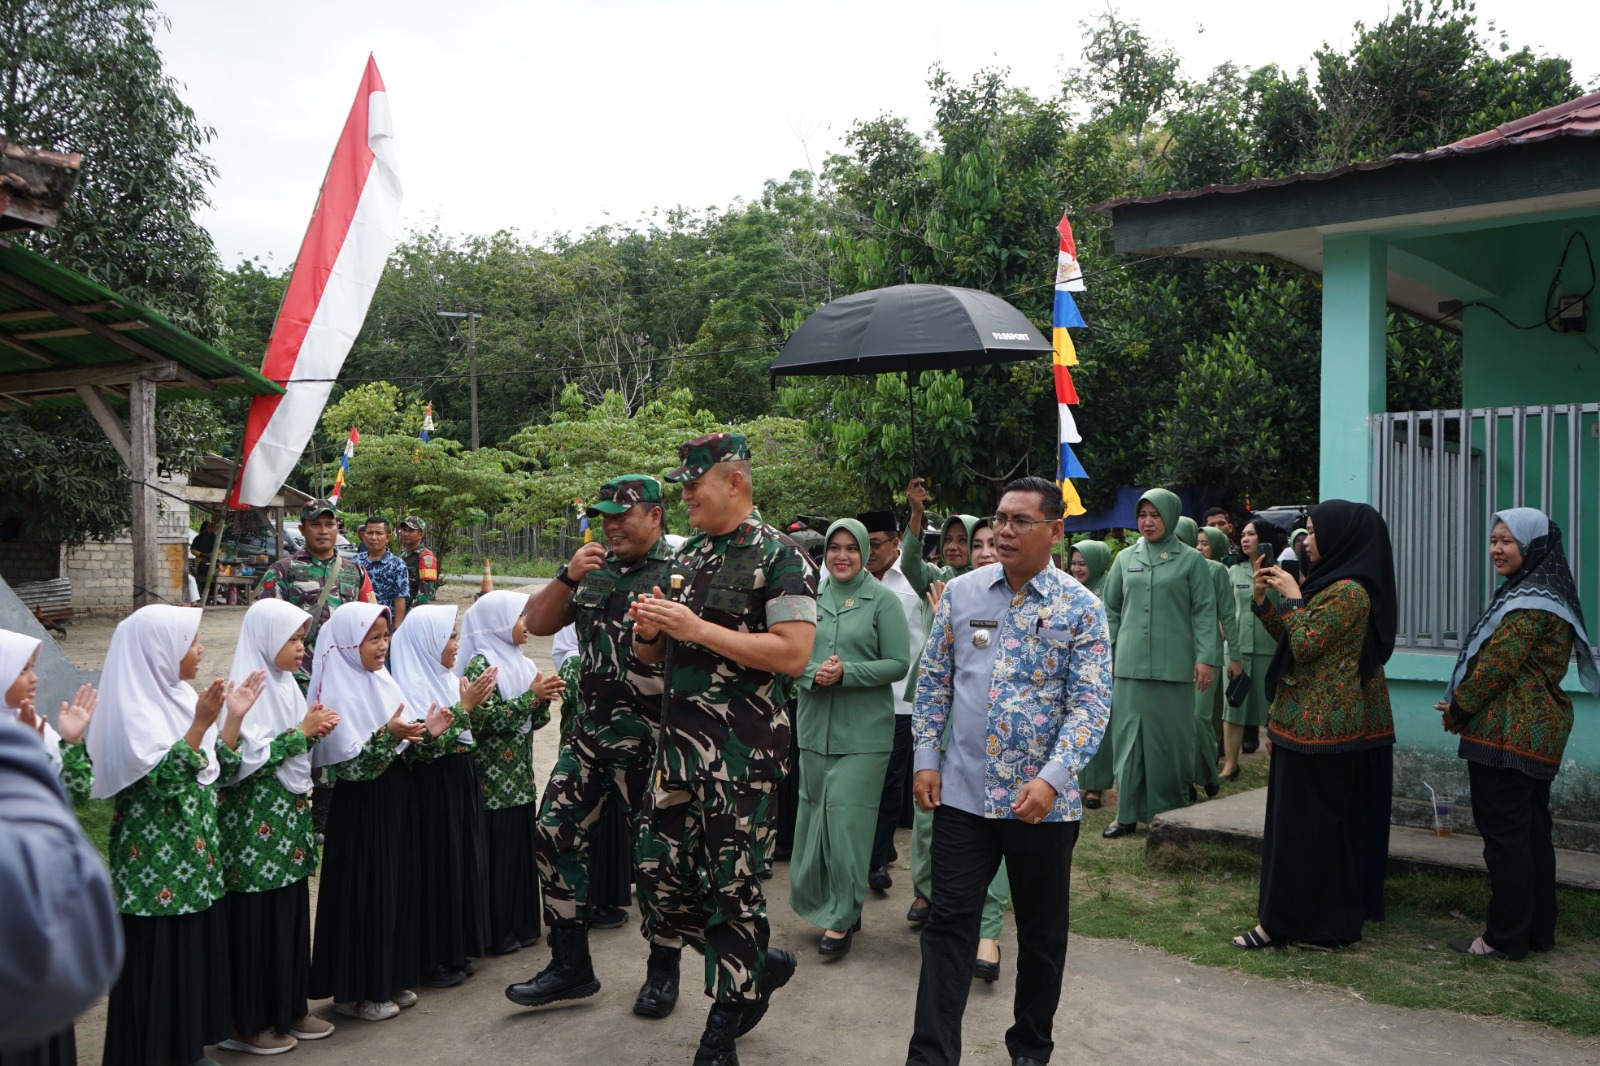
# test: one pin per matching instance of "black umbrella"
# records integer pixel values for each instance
(909, 328)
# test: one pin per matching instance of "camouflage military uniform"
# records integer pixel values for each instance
(422, 567)
(299, 580)
(724, 744)
(608, 753)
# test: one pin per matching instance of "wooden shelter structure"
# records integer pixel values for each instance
(64, 340)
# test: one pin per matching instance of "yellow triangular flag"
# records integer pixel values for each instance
(1069, 497)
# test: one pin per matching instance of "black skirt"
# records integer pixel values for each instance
(513, 876)
(611, 860)
(269, 950)
(366, 945)
(171, 999)
(59, 1050)
(454, 867)
(1310, 872)
(1374, 798)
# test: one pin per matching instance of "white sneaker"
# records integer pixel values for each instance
(266, 1042)
(369, 1010)
(405, 998)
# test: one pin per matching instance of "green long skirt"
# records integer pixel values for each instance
(1153, 730)
(1208, 727)
(995, 901)
(1254, 709)
(839, 798)
(1101, 772)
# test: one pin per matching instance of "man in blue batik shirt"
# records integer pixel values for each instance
(1016, 679)
(391, 582)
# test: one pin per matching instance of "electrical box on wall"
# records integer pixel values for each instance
(1572, 314)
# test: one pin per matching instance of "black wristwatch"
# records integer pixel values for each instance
(561, 576)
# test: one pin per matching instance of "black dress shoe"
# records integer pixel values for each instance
(1024, 1060)
(607, 917)
(1091, 801)
(1117, 829)
(987, 971)
(878, 879)
(834, 947)
(1252, 739)
(919, 914)
(1212, 788)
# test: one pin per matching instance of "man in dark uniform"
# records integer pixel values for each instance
(746, 616)
(315, 578)
(422, 566)
(610, 751)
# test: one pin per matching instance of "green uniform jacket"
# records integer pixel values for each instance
(1161, 605)
(869, 635)
(1227, 611)
(921, 577)
(620, 693)
(1252, 638)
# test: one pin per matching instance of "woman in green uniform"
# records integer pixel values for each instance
(1088, 561)
(1213, 544)
(1255, 643)
(1161, 609)
(846, 727)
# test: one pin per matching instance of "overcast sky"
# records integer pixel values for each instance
(552, 117)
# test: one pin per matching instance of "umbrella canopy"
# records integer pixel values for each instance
(910, 328)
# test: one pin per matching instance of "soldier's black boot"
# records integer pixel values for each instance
(780, 967)
(570, 974)
(716, 1043)
(659, 993)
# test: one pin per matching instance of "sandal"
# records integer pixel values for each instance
(1254, 940)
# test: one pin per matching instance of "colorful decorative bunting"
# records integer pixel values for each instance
(344, 464)
(1069, 279)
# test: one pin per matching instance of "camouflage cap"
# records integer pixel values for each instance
(702, 453)
(317, 507)
(621, 493)
(411, 521)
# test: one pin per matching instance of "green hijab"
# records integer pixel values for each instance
(835, 592)
(1170, 508)
(1097, 556)
(1218, 541)
(1188, 531)
(968, 522)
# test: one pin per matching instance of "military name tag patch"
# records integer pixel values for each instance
(981, 638)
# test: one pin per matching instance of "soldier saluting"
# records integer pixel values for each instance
(610, 753)
(746, 615)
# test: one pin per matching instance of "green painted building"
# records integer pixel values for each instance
(1495, 236)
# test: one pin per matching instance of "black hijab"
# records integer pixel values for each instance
(1353, 541)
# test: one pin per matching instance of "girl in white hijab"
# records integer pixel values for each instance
(269, 844)
(444, 781)
(365, 952)
(492, 636)
(153, 743)
(19, 661)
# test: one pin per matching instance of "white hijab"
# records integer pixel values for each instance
(416, 663)
(486, 631)
(268, 625)
(365, 699)
(145, 707)
(16, 649)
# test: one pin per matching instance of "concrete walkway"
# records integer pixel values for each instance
(1121, 1003)
(1237, 820)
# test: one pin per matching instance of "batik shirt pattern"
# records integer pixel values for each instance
(165, 858)
(503, 730)
(268, 840)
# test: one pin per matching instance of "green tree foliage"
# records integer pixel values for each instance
(85, 76)
(376, 409)
(442, 481)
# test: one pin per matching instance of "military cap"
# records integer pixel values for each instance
(621, 493)
(411, 521)
(701, 454)
(317, 507)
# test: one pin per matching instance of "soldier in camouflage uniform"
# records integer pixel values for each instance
(746, 616)
(609, 752)
(301, 578)
(422, 566)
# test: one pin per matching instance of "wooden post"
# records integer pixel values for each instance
(148, 586)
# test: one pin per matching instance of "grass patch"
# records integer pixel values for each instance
(1191, 900)
(94, 817)
(503, 567)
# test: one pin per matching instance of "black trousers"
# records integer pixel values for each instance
(967, 851)
(894, 787)
(1513, 815)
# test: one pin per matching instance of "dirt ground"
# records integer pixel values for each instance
(1120, 1002)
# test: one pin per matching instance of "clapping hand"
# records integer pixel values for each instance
(401, 729)
(319, 721)
(27, 716)
(209, 706)
(73, 718)
(240, 698)
(475, 693)
(548, 686)
(829, 671)
(438, 720)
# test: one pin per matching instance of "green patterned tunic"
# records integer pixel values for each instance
(77, 773)
(505, 755)
(164, 853)
(1510, 706)
(268, 841)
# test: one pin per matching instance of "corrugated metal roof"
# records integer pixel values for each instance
(1575, 118)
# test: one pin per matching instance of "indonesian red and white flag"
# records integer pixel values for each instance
(352, 231)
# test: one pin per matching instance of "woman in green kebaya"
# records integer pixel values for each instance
(1088, 561)
(1162, 612)
(1213, 544)
(846, 732)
